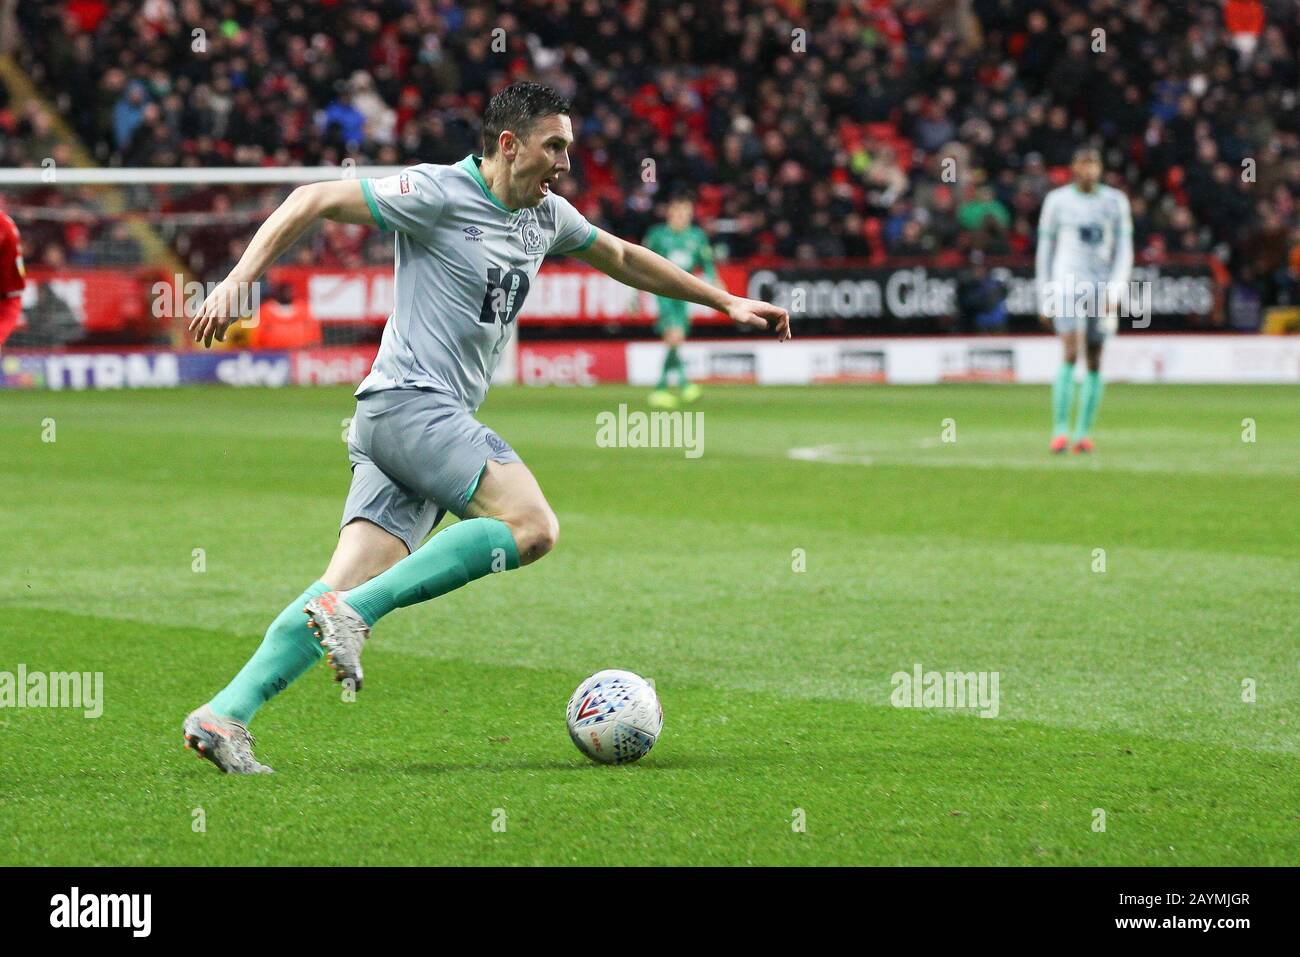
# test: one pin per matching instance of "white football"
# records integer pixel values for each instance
(614, 717)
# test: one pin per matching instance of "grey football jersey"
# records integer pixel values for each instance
(1087, 236)
(464, 264)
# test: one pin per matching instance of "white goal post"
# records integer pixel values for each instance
(52, 175)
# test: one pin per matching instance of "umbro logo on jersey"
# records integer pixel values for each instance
(473, 233)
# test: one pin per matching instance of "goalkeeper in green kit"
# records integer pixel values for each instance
(687, 247)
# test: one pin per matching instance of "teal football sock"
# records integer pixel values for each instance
(288, 650)
(670, 366)
(1062, 398)
(679, 366)
(667, 369)
(454, 557)
(1089, 401)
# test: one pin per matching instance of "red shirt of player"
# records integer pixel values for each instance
(12, 277)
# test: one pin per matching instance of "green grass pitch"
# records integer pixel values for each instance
(1120, 690)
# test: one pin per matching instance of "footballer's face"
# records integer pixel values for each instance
(1087, 172)
(679, 214)
(540, 159)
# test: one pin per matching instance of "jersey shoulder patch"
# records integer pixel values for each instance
(411, 181)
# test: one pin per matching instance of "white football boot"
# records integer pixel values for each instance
(342, 633)
(223, 741)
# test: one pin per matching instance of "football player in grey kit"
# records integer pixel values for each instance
(469, 240)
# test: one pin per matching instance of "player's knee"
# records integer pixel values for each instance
(536, 530)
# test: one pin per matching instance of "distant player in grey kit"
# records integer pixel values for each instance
(1083, 265)
(469, 240)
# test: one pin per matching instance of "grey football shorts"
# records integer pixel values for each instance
(1099, 329)
(416, 455)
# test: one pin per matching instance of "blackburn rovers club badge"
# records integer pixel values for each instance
(532, 234)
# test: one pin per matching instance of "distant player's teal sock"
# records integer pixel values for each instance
(1089, 400)
(1062, 398)
(454, 557)
(679, 366)
(671, 363)
(288, 650)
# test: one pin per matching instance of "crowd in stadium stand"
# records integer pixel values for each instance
(928, 129)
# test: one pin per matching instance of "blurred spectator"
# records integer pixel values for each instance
(1244, 20)
(980, 207)
(1245, 310)
(349, 122)
(128, 114)
(284, 322)
(50, 322)
(981, 299)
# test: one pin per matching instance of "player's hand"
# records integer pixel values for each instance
(218, 313)
(760, 315)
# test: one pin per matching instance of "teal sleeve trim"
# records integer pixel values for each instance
(590, 239)
(473, 486)
(374, 207)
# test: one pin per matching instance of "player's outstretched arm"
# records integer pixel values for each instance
(341, 201)
(639, 267)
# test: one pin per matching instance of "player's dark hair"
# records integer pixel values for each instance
(517, 108)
